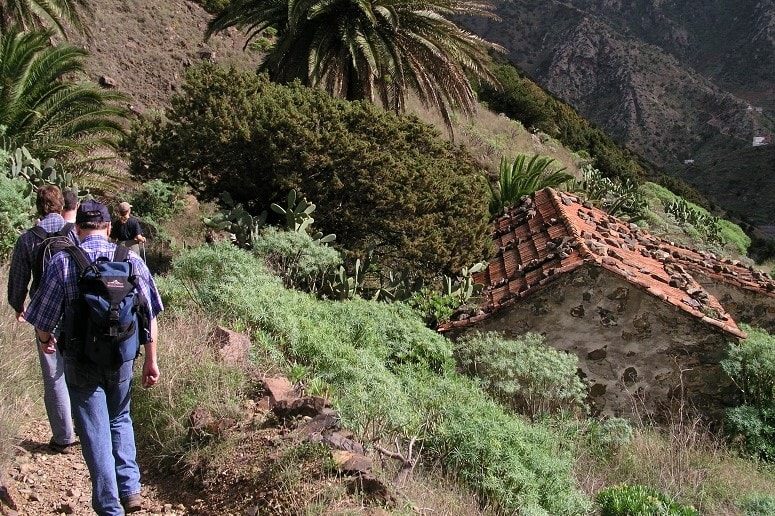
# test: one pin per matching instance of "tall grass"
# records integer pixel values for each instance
(20, 383)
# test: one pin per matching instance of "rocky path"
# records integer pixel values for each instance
(41, 482)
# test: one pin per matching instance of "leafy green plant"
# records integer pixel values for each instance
(636, 500)
(301, 261)
(758, 505)
(158, 200)
(381, 182)
(72, 119)
(524, 374)
(235, 219)
(708, 225)
(379, 50)
(609, 435)
(44, 14)
(463, 288)
(433, 307)
(522, 177)
(752, 367)
(15, 215)
(619, 197)
(22, 165)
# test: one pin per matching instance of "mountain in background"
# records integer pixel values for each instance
(688, 84)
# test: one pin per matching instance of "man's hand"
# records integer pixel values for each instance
(151, 373)
(20, 316)
(49, 347)
(140, 239)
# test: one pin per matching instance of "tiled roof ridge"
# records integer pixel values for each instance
(584, 250)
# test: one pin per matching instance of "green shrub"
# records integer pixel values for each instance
(525, 374)
(758, 505)
(388, 375)
(751, 365)
(609, 435)
(158, 200)
(15, 215)
(296, 257)
(636, 500)
(385, 184)
(433, 307)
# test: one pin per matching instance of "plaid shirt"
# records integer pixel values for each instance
(59, 285)
(23, 260)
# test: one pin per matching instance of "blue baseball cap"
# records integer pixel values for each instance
(92, 211)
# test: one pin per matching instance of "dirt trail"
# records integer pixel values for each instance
(41, 482)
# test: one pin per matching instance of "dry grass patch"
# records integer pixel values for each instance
(685, 461)
(20, 383)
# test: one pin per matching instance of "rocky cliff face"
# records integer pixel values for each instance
(672, 79)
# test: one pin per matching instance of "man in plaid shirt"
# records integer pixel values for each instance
(100, 396)
(50, 203)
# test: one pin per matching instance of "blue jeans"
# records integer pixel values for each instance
(100, 400)
(56, 398)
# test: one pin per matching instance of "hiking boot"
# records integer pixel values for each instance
(65, 449)
(132, 503)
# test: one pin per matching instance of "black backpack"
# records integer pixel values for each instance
(49, 245)
(109, 319)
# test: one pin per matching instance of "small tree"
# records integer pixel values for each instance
(387, 185)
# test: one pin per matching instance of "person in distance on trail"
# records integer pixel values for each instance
(71, 205)
(126, 228)
(100, 395)
(29, 251)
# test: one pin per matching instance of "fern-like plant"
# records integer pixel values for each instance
(44, 14)
(522, 177)
(376, 50)
(43, 110)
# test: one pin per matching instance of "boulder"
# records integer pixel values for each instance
(233, 347)
(278, 389)
(108, 82)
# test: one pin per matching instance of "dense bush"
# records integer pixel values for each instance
(294, 256)
(158, 200)
(752, 366)
(388, 375)
(383, 183)
(525, 374)
(15, 215)
(636, 500)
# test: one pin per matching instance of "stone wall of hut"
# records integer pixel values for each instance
(641, 356)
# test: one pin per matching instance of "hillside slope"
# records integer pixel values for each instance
(651, 78)
(145, 46)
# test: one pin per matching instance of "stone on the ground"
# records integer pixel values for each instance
(233, 347)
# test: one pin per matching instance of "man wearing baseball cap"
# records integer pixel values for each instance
(126, 229)
(100, 396)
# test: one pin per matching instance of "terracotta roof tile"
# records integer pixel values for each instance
(552, 233)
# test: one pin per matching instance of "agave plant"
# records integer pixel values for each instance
(376, 50)
(44, 14)
(42, 110)
(522, 177)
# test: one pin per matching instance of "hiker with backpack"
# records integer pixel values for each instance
(31, 254)
(109, 303)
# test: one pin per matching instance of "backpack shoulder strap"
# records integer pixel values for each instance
(39, 232)
(66, 229)
(121, 254)
(78, 255)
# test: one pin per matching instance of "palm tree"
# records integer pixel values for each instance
(522, 177)
(41, 109)
(374, 50)
(42, 14)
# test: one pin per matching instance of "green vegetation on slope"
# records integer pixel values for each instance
(389, 376)
(385, 184)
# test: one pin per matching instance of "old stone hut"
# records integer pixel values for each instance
(644, 329)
